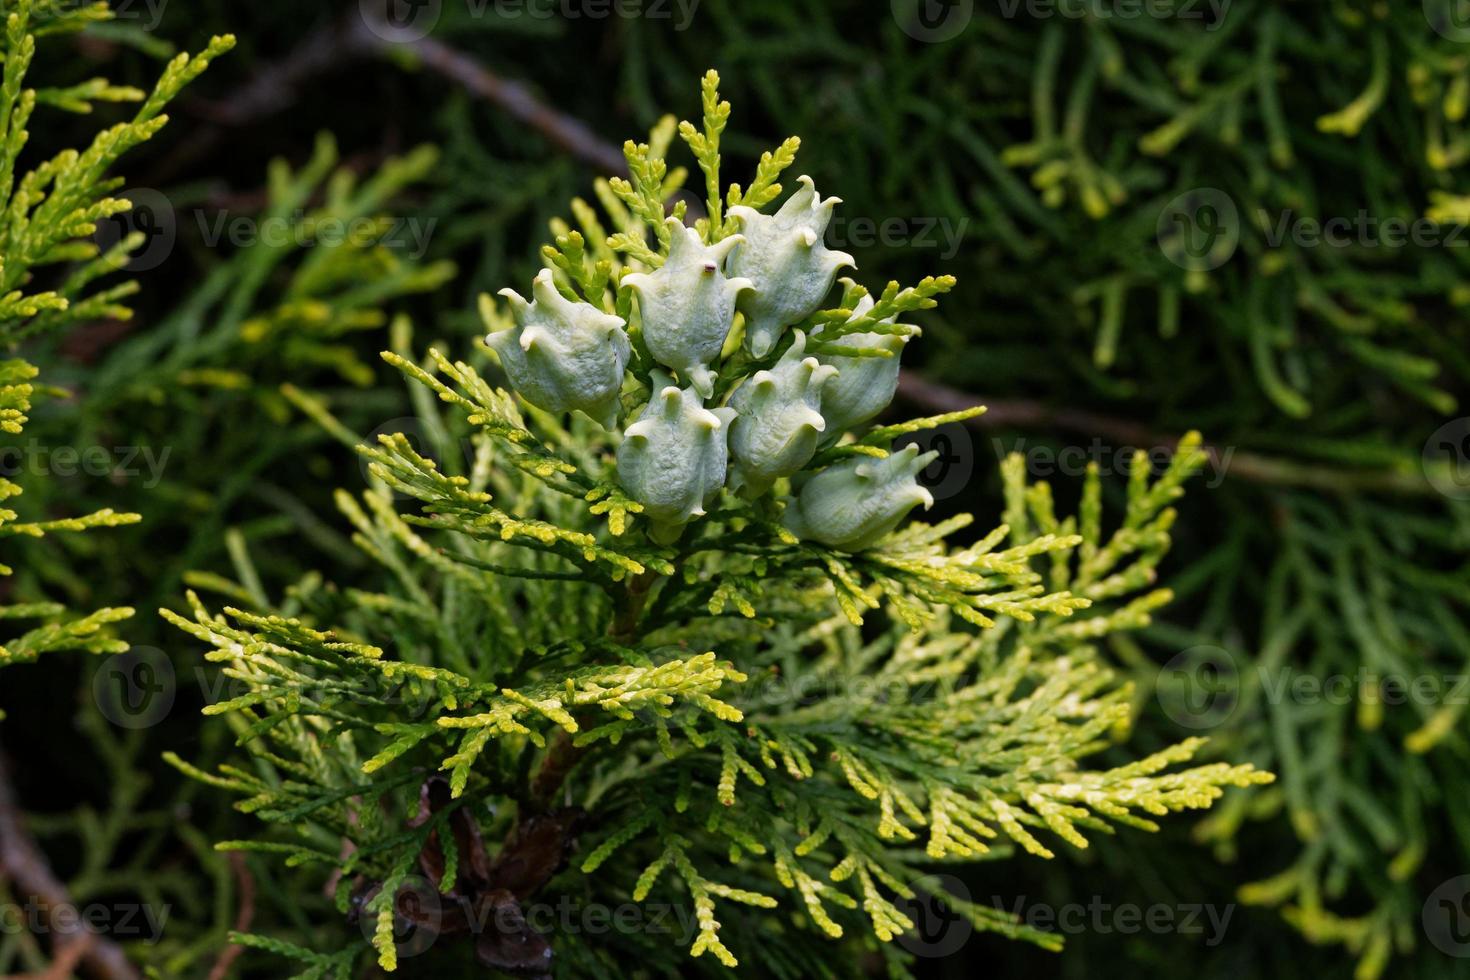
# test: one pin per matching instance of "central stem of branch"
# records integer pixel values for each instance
(624, 626)
(563, 755)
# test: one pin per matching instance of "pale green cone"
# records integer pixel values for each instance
(779, 421)
(673, 458)
(854, 504)
(688, 306)
(563, 355)
(784, 257)
(864, 386)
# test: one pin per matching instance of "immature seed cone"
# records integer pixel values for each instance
(563, 355)
(852, 505)
(776, 432)
(785, 259)
(673, 458)
(688, 305)
(864, 386)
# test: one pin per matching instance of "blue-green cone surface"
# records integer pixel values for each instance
(775, 433)
(563, 355)
(852, 505)
(688, 305)
(864, 386)
(673, 458)
(784, 257)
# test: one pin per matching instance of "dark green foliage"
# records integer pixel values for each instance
(1047, 150)
(584, 673)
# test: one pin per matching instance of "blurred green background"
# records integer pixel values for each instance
(1241, 217)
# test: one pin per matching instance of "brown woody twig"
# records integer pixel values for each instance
(24, 863)
(243, 918)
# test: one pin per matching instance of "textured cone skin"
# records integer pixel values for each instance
(784, 258)
(854, 504)
(562, 355)
(673, 458)
(779, 421)
(864, 386)
(688, 305)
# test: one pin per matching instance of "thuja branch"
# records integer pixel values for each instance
(688, 408)
(563, 755)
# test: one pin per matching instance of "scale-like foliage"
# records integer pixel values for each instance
(51, 213)
(710, 705)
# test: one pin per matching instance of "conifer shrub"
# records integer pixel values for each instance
(654, 624)
(1040, 152)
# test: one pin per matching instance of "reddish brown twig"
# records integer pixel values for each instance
(274, 90)
(66, 961)
(563, 131)
(1005, 413)
(24, 863)
(243, 917)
